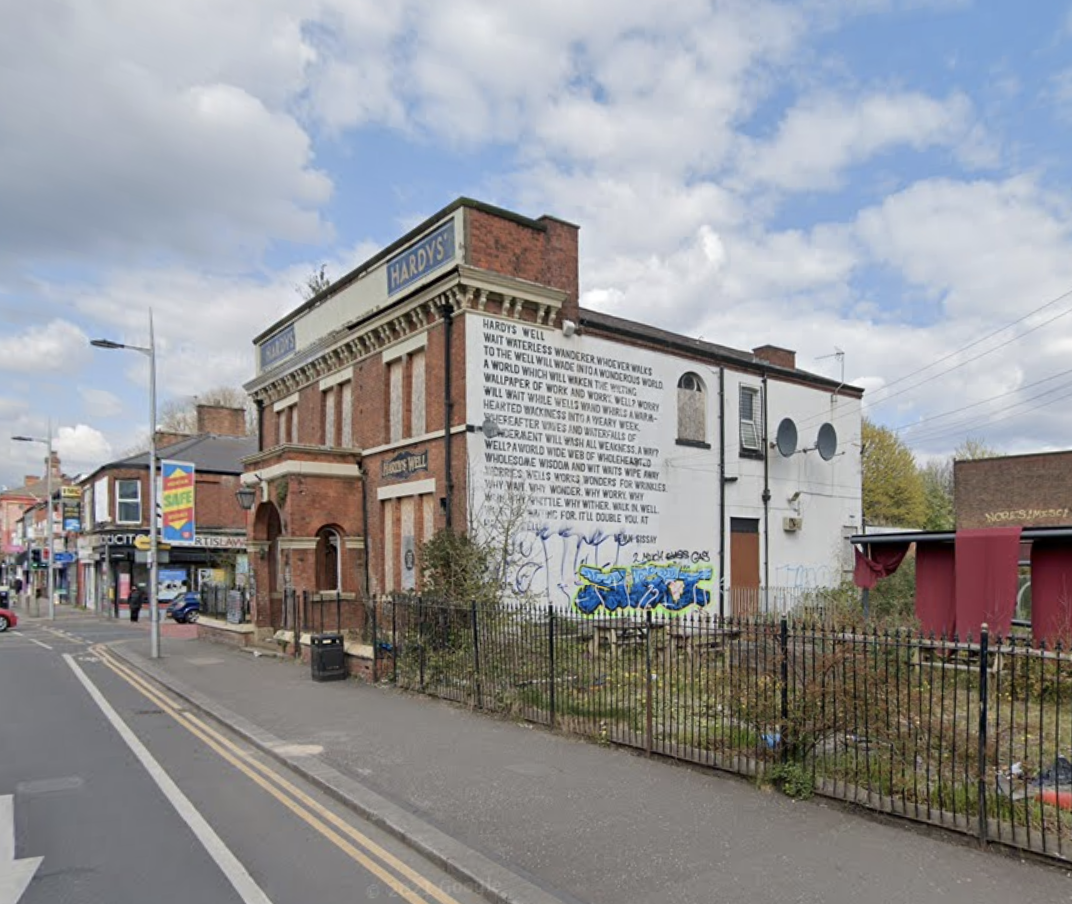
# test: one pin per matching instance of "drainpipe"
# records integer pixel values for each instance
(448, 410)
(721, 493)
(766, 502)
(259, 405)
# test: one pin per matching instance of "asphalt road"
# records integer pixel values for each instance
(130, 798)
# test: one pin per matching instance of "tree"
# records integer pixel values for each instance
(973, 449)
(937, 477)
(315, 283)
(180, 415)
(893, 491)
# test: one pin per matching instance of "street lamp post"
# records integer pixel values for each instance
(154, 610)
(50, 577)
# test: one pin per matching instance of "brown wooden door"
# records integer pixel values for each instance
(744, 567)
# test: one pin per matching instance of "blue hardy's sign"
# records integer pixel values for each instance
(278, 347)
(434, 250)
(404, 465)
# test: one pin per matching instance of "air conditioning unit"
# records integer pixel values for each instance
(792, 523)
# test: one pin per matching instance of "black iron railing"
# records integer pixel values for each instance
(969, 734)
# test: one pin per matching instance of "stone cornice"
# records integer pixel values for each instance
(468, 288)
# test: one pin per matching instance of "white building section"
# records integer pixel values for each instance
(620, 458)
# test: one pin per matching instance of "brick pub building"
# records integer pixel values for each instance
(373, 402)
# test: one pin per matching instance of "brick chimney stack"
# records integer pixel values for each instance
(221, 420)
(780, 357)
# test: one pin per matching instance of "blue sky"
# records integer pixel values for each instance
(885, 177)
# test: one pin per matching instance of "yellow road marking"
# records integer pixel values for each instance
(242, 761)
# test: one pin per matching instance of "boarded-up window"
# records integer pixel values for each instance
(329, 404)
(691, 410)
(394, 382)
(417, 400)
(346, 404)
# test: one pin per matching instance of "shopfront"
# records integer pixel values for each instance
(114, 562)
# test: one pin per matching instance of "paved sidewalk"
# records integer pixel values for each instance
(602, 825)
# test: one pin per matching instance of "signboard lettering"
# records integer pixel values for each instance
(178, 501)
(404, 465)
(431, 252)
(278, 347)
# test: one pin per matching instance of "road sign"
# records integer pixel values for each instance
(144, 542)
(65, 558)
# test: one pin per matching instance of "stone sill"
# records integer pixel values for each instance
(351, 647)
(219, 625)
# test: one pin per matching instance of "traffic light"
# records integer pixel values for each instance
(35, 558)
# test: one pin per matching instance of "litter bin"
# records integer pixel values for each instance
(327, 655)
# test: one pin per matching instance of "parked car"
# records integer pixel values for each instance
(8, 619)
(185, 608)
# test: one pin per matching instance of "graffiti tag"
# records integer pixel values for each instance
(672, 587)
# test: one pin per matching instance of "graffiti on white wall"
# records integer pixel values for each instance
(581, 441)
(671, 587)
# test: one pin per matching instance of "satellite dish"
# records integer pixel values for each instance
(490, 428)
(786, 438)
(826, 442)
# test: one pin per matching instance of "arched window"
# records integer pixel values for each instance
(328, 559)
(691, 411)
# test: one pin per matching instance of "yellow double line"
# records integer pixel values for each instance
(386, 867)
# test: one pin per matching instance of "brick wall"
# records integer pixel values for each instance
(545, 255)
(215, 504)
(1026, 490)
(772, 354)
(221, 420)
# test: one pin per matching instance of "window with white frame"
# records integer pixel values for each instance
(128, 502)
(751, 417)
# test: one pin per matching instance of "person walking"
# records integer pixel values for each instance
(136, 600)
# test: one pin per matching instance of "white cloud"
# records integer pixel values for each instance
(58, 347)
(81, 448)
(144, 129)
(100, 402)
(985, 249)
(821, 137)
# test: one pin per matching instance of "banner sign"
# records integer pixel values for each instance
(178, 502)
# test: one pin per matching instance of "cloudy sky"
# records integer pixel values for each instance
(882, 185)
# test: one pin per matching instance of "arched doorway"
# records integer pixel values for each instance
(267, 529)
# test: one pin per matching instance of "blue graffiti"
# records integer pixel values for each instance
(640, 587)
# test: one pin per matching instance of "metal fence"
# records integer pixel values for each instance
(971, 735)
(221, 601)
